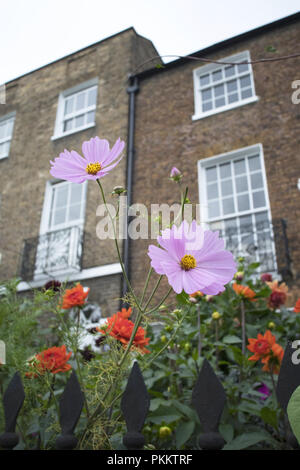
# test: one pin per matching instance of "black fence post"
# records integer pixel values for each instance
(209, 400)
(13, 399)
(70, 407)
(135, 406)
(288, 381)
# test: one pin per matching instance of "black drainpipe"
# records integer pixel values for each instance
(131, 90)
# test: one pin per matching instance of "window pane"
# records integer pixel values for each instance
(230, 71)
(219, 90)
(226, 187)
(228, 205)
(246, 224)
(243, 202)
(2, 149)
(2, 131)
(212, 191)
(225, 170)
(206, 94)
(256, 181)
(213, 209)
(230, 227)
(233, 98)
(207, 106)
(90, 117)
(264, 241)
(76, 192)
(59, 216)
(79, 121)
(92, 94)
(9, 126)
(80, 99)
(219, 102)
(242, 68)
(204, 80)
(211, 174)
(69, 105)
(239, 167)
(259, 199)
(246, 93)
(241, 184)
(217, 75)
(245, 82)
(254, 163)
(262, 220)
(231, 86)
(61, 196)
(68, 125)
(74, 212)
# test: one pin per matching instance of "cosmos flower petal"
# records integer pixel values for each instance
(210, 270)
(72, 167)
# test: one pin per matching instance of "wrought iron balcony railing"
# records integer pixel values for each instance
(51, 254)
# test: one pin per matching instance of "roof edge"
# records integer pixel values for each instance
(226, 42)
(73, 53)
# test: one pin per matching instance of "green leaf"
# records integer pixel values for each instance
(269, 416)
(184, 432)
(183, 298)
(227, 432)
(271, 49)
(231, 339)
(294, 413)
(247, 440)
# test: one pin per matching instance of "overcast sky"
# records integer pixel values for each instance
(36, 32)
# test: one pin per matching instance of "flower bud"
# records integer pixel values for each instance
(163, 339)
(271, 325)
(239, 276)
(266, 277)
(216, 316)
(117, 190)
(209, 298)
(175, 174)
(164, 432)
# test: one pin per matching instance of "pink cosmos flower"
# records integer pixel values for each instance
(97, 161)
(193, 259)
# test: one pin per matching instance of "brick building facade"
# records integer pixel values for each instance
(48, 229)
(234, 132)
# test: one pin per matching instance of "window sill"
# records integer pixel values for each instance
(73, 131)
(253, 99)
(3, 157)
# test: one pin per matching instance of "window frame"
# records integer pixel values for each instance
(8, 117)
(231, 156)
(48, 198)
(59, 122)
(237, 58)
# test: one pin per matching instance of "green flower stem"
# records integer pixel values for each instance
(153, 292)
(146, 285)
(243, 324)
(117, 247)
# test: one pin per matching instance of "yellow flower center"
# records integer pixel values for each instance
(93, 168)
(188, 262)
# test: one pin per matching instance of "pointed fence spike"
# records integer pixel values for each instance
(209, 400)
(135, 406)
(288, 381)
(70, 407)
(289, 376)
(13, 399)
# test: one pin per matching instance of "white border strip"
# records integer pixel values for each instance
(98, 271)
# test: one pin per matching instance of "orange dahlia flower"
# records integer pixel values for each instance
(244, 291)
(279, 294)
(53, 360)
(74, 297)
(267, 350)
(119, 327)
(297, 306)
